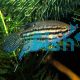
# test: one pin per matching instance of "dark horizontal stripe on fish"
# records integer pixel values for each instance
(25, 35)
(37, 29)
(39, 39)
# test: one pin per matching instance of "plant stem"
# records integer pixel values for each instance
(4, 25)
(65, 70)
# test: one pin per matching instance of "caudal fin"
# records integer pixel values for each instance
(12, 42)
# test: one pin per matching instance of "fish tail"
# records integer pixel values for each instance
(11, 42)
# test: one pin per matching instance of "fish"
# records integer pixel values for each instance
(38, 35)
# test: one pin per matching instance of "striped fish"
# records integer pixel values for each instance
(38, 35)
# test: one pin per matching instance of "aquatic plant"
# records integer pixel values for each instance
(19, 12)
